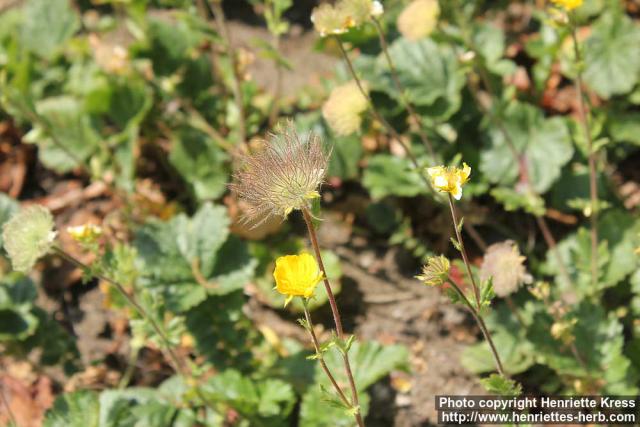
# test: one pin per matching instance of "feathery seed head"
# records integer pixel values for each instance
(28, 236)
(505, 264)
(283, 176)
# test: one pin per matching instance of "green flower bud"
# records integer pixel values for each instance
(436, 271)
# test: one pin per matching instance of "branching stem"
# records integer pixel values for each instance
(316, 346)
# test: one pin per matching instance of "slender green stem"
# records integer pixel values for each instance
(178, 365)
(316, 346)
(334, 310)
(402, 92)
(483, 327)
(463, 251)
(390, 130)
(275, 105)
(583, 109)
(131, 367)
(215, 7)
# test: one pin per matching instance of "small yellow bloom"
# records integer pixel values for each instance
(86, 233)
(568, 4)
(330, 20)
(296, 275)
(449, 179)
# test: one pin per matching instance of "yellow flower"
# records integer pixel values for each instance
(449, 179)
(85, 233)
(296, 275)
(345, 14)
(344, 107)
(329, 20)
(568, 4)
(360, 11)
(418, 19)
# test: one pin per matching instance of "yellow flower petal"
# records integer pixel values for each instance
(568, 4)
(449, 179)
(296, 275)
(457, 192)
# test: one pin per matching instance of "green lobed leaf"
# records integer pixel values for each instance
(185, 259)
(66, 137)
(545, 143)
(611, 54)
(617, 232)
(516, 353)
(47, 25)
(319, 410)
(429, 73)
(223, 333)
(501, 386)
(200, 162)
(387, 175)
(266, 402)
(78, 409)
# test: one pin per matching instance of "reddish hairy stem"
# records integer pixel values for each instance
(334, 310)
